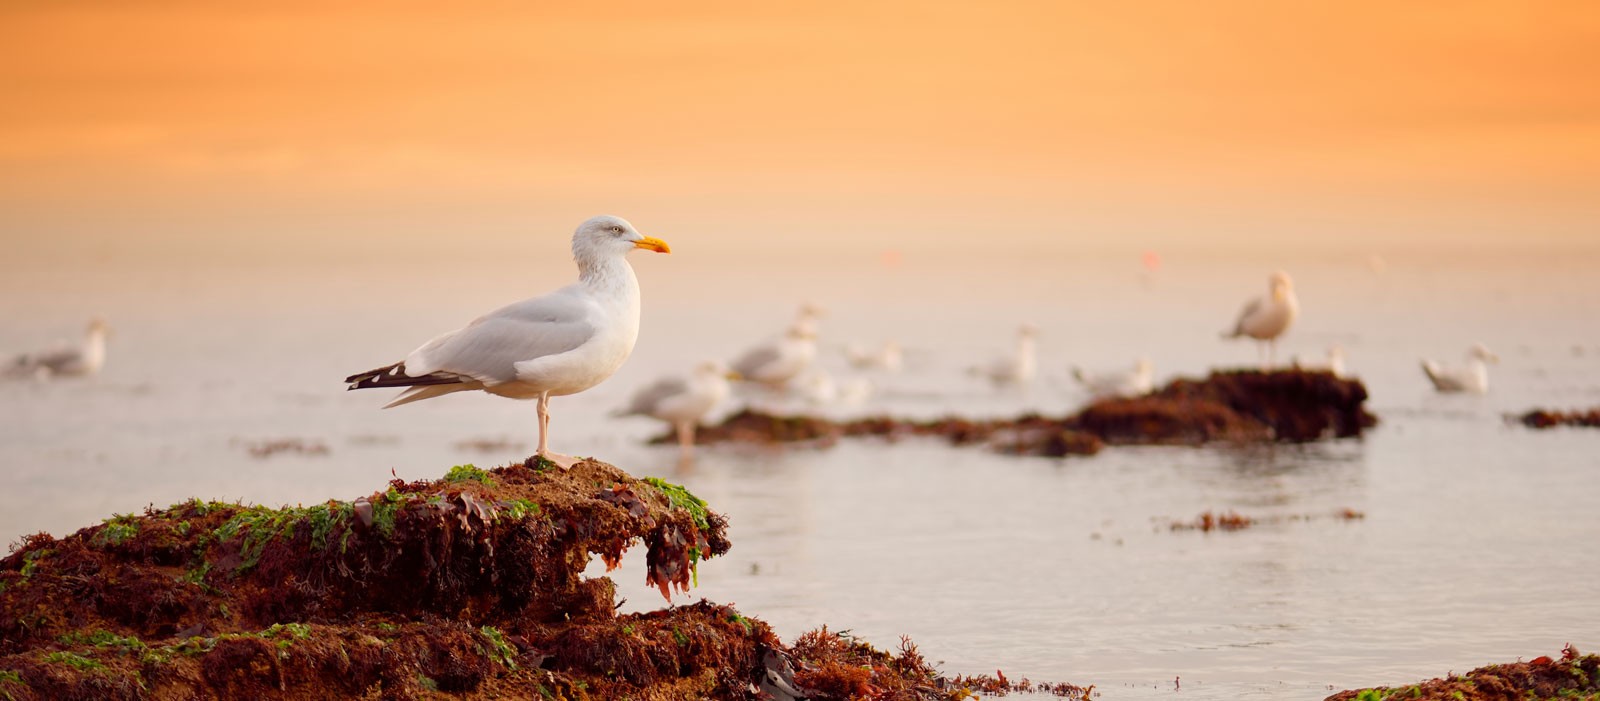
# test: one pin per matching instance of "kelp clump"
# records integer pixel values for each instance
(1568, 676)
(470, 586)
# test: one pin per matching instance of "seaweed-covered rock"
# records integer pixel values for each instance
(750, 426)
(1231, 406)
(470, 586)
(1549, 418)
(1239, 405)
(1570, 676)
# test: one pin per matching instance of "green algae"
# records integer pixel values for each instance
(681, 498)
(468, 473)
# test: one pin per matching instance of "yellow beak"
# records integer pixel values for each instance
(734, 375)
(651, 243)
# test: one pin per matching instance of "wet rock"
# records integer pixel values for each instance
(1570, 675)
(750, 426)
(1231, 406)
(470, 586)
(1235, 406)
(1547, 418)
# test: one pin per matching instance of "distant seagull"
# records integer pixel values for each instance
(63, 360)
(1266, 318)
(888, 358)
(1125, 383)
(1334, 363)
(809, 314)
(817, 387)
(1017, 370)
(1471, 377)
(683, 402)
(561, 343)
(774, 364)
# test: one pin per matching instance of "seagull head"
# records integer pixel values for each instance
(802, 330)
(1482, 352)
(99, 327)
(1281, 285)
(715, 370)
(1028, 330)
(607, 236)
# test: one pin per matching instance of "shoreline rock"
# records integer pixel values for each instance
(468, 587)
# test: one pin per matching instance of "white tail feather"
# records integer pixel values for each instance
(417, 394)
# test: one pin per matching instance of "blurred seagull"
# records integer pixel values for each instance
(777, 362)
(1266, 318)
(807, 317)
(1125, 383)
(561, 343)
(1017, 370)
(1471, 377)
(683, 402)
(888, 358)
(1334, 364)
(65, 361)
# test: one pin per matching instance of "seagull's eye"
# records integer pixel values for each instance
(616, 229)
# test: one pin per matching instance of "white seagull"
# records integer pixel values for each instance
(777, 362)
(887, 358)
(1334, 364)
(65, 361)
(683, 402)
(1123, 383)
(561, 343)
(1017, 370)
(1266, 318)
(1471, 377)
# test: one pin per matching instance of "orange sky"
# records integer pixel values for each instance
(172, 120)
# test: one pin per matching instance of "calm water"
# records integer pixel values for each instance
(1477, 546)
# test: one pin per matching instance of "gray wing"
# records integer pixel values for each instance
(489, 348)
(59, 360)
(647, 399)
(1248, 311)
(756, 358)
(54, 360)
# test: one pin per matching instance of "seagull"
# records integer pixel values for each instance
(777, 362)
(1334, 364)
(888, 358)
(65, 361)
(1266, 319)
(1472, 377)
(683, 402)
(1126, 383)
(561, 343)
(1017, 370)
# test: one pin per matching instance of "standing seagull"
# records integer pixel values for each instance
(1017, 370)
(86, 359)
(683, 403)
(562, 343)
(775, 363)
(1266, 318)
(1472, 377)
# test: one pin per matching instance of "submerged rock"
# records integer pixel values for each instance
(1570, 676)
(469, 586)
(1547, 418)
(1231, 406)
